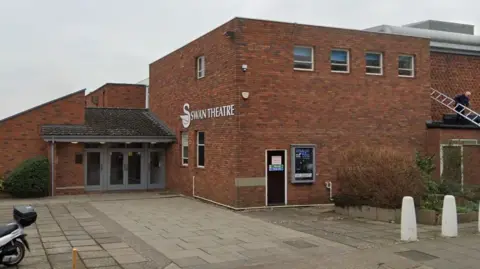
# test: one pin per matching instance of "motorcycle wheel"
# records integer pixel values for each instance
(19, 257)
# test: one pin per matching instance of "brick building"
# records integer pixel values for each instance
(254, 112)
(454, 69)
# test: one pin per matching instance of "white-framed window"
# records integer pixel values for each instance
(340, 61)
(201, 149)
(374, 63)
(303, 58)
(200, 67)
(406, 66)
(184, 148)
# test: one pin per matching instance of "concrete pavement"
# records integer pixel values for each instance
(147, 230)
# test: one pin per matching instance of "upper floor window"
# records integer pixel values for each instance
(201, 149)
(406, 66)
(374, 63)
(303, 58)
(200, 67)
(184, 148)
(339, 61)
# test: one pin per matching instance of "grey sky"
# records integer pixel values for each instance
(50, 48)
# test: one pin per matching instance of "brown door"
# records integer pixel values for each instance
(276, 177)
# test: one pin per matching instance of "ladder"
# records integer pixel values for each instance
(448, 102)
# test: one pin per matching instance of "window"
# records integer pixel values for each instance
(200, 149)
(303, 58)
(339, 61)
(201, 67)
(452, 163)
(185, 148)
(303, 163)
(374, 63)
(406, 66)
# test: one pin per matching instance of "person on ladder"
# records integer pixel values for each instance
(463, 99)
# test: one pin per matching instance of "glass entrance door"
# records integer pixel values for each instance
(125, 170)
(156, 171)
(93, 170)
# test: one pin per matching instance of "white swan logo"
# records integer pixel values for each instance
(186, 117)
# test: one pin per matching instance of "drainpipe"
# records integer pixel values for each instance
(328, 185)
(147, 93)
(52, 157)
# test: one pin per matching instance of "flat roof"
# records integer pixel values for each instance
(440, 41)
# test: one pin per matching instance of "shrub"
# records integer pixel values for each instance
(29, 179)
(377, 176)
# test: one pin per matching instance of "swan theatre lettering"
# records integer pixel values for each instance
(214, 112)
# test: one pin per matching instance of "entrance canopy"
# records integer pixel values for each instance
(104, 125)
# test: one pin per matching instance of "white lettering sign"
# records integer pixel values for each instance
(216, 112)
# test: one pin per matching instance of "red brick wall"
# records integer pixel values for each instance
(454, 74)
(173, 82)
(471, 156)
(20, 135)
(67, 172)
(118, 95)
(333, 111)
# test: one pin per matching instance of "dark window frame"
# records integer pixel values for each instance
(200, 145)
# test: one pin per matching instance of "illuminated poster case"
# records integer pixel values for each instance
(303, 163)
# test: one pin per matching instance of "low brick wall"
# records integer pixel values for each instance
(424, 216)
(371, 213)
(431, 217)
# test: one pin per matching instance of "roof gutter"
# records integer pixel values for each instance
(110, 139)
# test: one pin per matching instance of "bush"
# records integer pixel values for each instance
(379, 177)
(30, 179)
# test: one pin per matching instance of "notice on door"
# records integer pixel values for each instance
(276, 168)
(276, 160)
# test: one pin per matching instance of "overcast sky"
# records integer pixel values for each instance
(49, 48)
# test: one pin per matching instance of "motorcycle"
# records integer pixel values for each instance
(13, 238)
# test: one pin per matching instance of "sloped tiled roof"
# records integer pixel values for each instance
(113, 122)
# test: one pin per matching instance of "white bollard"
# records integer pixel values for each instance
(449, 217)
(408, 229)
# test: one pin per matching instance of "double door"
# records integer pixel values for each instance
(124, 169)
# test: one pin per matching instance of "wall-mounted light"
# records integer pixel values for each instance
(74, 142)
(102, 143)
(245, 95)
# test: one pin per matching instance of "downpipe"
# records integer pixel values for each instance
(328, 185)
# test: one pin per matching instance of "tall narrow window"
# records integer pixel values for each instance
(406, 66)
(200, 67)
(303, 58)
(185, 148)
(200, 149)
(374, 63)
(339, 61)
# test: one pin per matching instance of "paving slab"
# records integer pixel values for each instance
(192, 233)
(99, 262)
